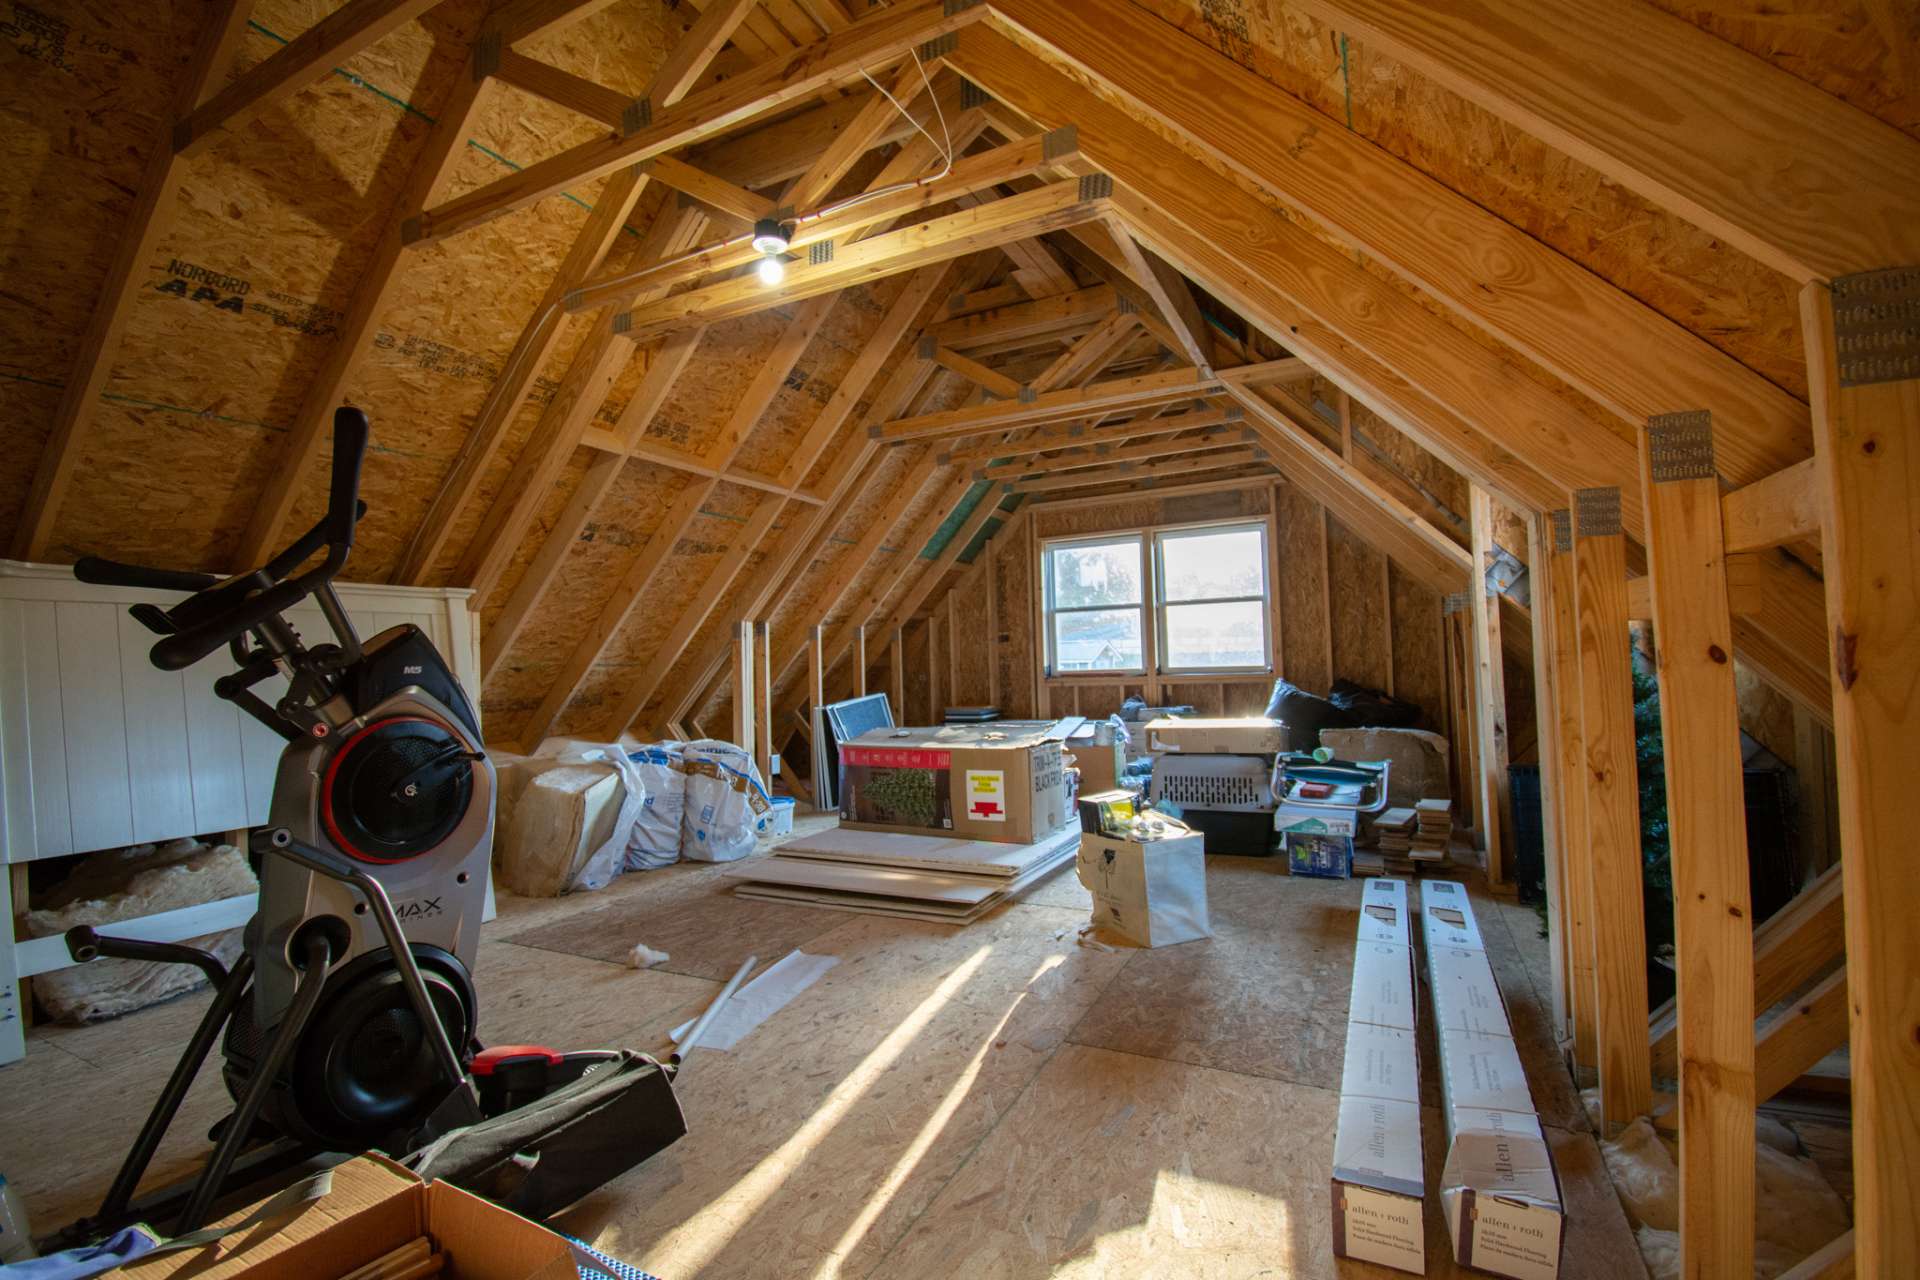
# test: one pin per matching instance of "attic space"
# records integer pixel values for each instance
(872, 638)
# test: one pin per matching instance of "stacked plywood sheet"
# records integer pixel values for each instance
(919, 877)
(1395, 829)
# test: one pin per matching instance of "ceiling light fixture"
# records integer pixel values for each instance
(772, 270)
(770, 239)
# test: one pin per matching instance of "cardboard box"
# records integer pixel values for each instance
(1237, 736)
(1382, 985)
(993, 781)
(1311, 820)
(1153, 892)
(1465, 995)
(374, 1207)
(1501, 1195)
(1381, 1063)
(1446, 917)
(1378, 1174)
(1383, 912)
(1378, 1184)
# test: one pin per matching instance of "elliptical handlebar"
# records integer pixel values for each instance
(222, 609)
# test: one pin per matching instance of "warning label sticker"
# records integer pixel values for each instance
(987, 795)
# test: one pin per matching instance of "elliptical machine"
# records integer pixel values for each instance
(349, 1020)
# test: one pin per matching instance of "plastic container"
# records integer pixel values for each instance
(782, 824)
(16, 1235)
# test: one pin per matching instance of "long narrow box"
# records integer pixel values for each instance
(1498, 1188)
(1379, 1179)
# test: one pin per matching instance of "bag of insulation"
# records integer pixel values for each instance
(728, 807)
(564, 818)
(656, 833)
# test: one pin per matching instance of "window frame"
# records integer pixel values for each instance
(1149, 541)
(1049, 610)
(1161, 604)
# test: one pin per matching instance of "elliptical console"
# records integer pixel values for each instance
(352, 1009)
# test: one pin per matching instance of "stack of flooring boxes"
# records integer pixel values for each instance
(1498, 1188)
(1395, 830)
(1435, 830)
(1378, 1183)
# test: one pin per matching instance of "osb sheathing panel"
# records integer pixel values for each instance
(1361, 652)
(275, 222)
(1304, 645)
(81, 98)
(971, 686)
(1419, 664)
(233, 313)
(916, 707)
(1681, 271)
(587, 576)
(817, 375)
(1018, 655)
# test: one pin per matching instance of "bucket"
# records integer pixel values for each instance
(782, 816)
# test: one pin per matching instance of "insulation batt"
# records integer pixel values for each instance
(1795, 1211)
(122, 884)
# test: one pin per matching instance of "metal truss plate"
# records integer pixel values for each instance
(1596, 512)
(1876, 326)
(1680, 446)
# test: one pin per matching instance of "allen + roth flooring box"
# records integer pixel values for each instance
(978, 781)
(1498, 1188)
(1379, 1180)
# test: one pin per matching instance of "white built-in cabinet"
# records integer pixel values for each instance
(99, 748)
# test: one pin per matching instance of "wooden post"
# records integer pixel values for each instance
(817, 671)
(1571, 760)
(1547, 722)
(897, 687)
(1863, 365)
(1613, 810)
(1495, 788)
(743, 714)
(763, 681)
(860, 661)
(1706, 812)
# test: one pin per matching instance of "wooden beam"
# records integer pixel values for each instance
(743, 691)
(1144, 475)
(1794, 946)
(884, 35)
(1250, 478)
(1863, 363)
(1082, 436)
(897, 670)
(1118, 393)
(1510, 434)
(1553, 783)
(309, 57)
(562, 88)
(1106, 455)
(763, 681)
(148, 222)
(1669, 110)
(1626, 356)
(1832, 1261)
(1613, 810)
(518, 20)
(1023, 320)
(1784, 507)
(1706, 812)
(1169, 292)
(710, 189)
(1490, 691)
(972, 370)
(1570, 768)
(860, 661)
(935, 240)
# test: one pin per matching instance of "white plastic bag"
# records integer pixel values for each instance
(598, 868)
(656, 835)
(727, 805)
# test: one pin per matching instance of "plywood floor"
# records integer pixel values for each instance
(988, 1101)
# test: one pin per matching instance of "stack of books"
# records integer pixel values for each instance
(1395, 829)
(1434, 831)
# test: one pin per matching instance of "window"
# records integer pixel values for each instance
(1096, 605)
(1206, 586)
(1212, 598)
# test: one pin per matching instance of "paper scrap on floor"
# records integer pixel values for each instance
(759, 1000)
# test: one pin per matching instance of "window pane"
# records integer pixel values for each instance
(1203, 566)
(1099, 640)
(1095, 574)
(1215, 635)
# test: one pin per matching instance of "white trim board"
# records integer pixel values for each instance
(937, 853)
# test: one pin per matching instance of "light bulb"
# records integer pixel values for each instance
(772, 271)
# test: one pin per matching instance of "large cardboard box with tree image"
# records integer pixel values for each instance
(975, 781)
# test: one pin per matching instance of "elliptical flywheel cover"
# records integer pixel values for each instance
(396, 789)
